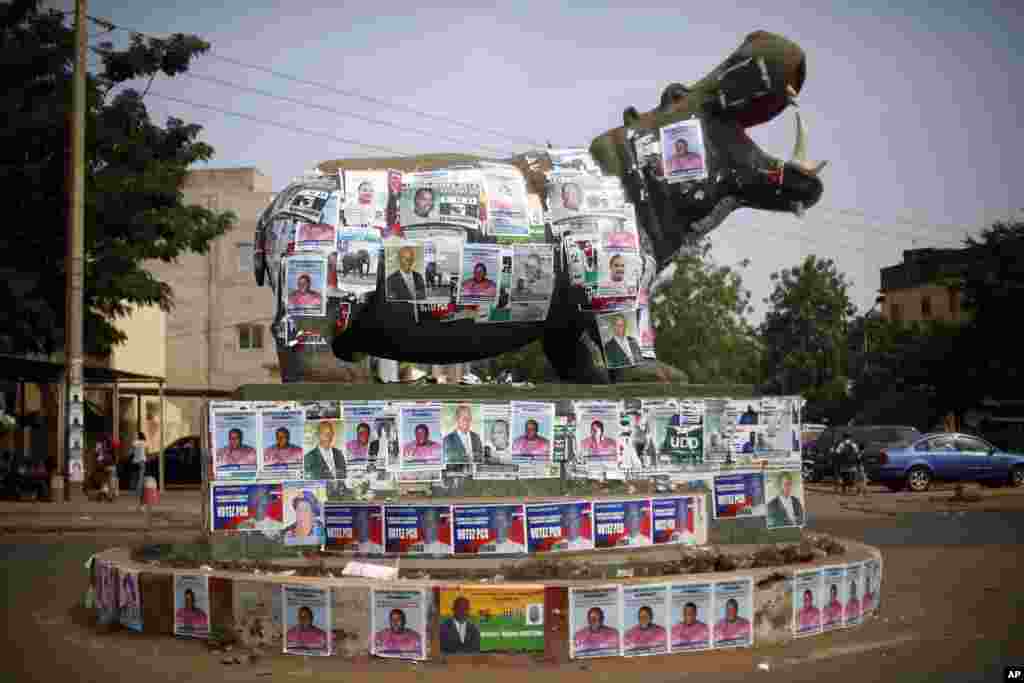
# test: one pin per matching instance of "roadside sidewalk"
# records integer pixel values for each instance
(178, 510)
(941, 498)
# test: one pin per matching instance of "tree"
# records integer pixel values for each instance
(700, 324)
(135, 169)
(805, 332)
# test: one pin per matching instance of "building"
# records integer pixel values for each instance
(923, 287)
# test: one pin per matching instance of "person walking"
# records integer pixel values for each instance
(138, 464)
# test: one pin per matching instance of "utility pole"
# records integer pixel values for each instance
(73, 397)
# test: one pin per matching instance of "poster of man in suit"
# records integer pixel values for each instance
(784, 492)
(405, 272)
(460, 424)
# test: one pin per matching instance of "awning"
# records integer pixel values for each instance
(40, 371)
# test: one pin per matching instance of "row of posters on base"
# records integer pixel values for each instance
(604, 621)
(298, 513)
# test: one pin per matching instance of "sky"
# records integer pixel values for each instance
(914, 107)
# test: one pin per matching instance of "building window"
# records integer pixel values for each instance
(896, 313)
(245, 255)
(250, 337)
(926, 307)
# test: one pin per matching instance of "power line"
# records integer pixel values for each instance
(340, 91)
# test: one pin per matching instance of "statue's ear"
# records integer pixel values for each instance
(629, 116)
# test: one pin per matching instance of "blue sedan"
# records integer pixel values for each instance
(946, 456)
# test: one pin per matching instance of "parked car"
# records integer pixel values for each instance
(817, 458)
(182, 464)
(947, 456)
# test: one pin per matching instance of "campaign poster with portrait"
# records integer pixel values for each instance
(507, 212)
(834, 597)
(366, 198)
(442, 257)
(308, 203)
(322, 410)
(304, 512)
(106, 592)
(618, 272)
(307, 620)
(420, 429)
(784, 493)
(682, 151)
(360, 433)
(622, 523)
(678, 520)
(807, 602)
(619, 339)
(533, 273)
(597, 431)
(315, 237)
(129, 599)
(481, 274)
(477, 618)
(321, 441)
(355, 265)
(497, 432)
(734, 613)
(532, 431)
(192, 605)
(236, 442)
(355, 528)
(282, 432)
(446, 196)
(489, 529)
(418, 529)
(306, 285)
(659, 417)
(691, 611)
(872, 573)
(779, 430)
(463, 443)
(405, 271)
(739, 495)
(558, 527)
(645, 622)
(399, 618)
(595, 622)
(853, 608)
(246, 507)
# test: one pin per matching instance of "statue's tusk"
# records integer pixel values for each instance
(791, 95)
(799, 157)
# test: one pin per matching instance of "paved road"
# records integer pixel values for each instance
(952, 610)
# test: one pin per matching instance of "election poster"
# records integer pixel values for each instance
(784, 491)
(618, 272)
(247, 507)
(734, 608)
(129, 599)
(835, 593)
(308, 203)
(322, 410)
(405, 271)
(442, 257)
(571, 194)
(477, 618)
(595, 622)
(853, 611)
(282, 432)
(622, 523)
(192, 605)
(807, 592)
(462, 442)
(303, 512)
(533, 273)
(106, 592)
(355, 265)
(489, 529)
(739, 495)
(718, 432)
(236, 438)
(315, 237)
(562, 438)
(399, 619)
(420, 428)
(502, 310)
(575, 159)
(497, 419)
(660, 416)
(481, 272)
(683, 152)
(597, 428)
(645, 619)
(557, 527)
(306, 285)
(779, 431)
(418, 529)
(307, 620)
(320, 443)
(361, 433)
(691, 610)
(366, 198)
(532, 431)
(618, 339)
(444, 196)
(872, 573)
(507, 211)
(355, 528)
(678, 520)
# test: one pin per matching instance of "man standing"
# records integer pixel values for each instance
(845, 457)
(459, 634)
(325, 461)
(405, 284)
(463, 445)
(621, 351)
(785, 509)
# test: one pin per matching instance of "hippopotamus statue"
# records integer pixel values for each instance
(757, 82)
(359, 262)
